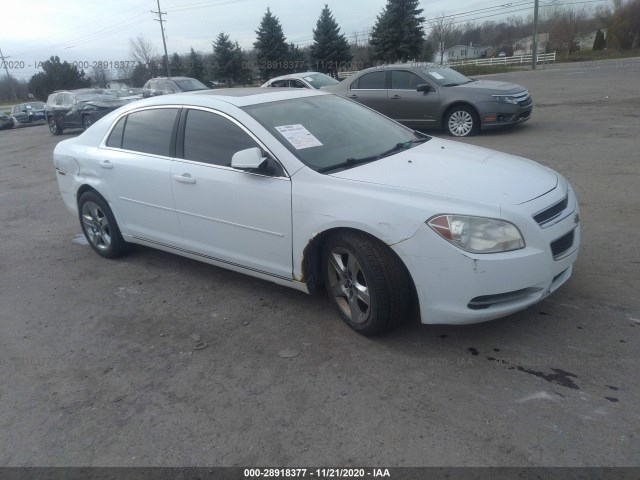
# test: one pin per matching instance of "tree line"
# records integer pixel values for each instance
(399, 34)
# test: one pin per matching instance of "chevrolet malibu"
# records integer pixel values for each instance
(307, 189)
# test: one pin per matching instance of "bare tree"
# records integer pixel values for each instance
(142, 50)
(100, 76)
(442, 34)
(566, 23)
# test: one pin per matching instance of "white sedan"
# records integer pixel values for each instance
(304, 189)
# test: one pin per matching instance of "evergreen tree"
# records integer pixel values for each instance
(271, 47)
(297, 59)
(195, 67)
(241, 73)
(176, 65)
(140, 75)
(398, 33)
(329, 48)
(221, 68)
(56, 76)
(599, 43)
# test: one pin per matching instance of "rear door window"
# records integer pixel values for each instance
(370, 81)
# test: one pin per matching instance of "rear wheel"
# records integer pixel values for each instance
(86, 121)
(54, 128)
(462, 121)
(366, 282)
(99, 226)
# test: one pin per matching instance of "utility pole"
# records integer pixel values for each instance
(534, 54)
(164, 42)
(2, 57)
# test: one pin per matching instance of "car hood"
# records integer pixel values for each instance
(105, 103)
(461, 171)
(490, 85)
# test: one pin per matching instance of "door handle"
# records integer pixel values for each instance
(395, 97)
(106, 164)
(185, 178)
(353, 95)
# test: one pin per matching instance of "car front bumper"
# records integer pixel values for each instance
(457, 287)
(496, 115)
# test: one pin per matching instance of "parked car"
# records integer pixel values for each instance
(165, 85)
(427, 96)
(78, 108)
(302, 80)
(304, 188)
(125, 94)
(28, 113)
(6, 121)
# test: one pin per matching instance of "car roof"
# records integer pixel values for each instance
(239, 97)
(173, 78)
(411, 65)
(295, 75)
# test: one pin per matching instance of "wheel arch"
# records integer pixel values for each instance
(312, 259)
(458, 103)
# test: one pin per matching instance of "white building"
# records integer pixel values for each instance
(524, 46)
(462, 52)
(585, 42)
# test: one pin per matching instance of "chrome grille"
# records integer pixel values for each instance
(523, 98)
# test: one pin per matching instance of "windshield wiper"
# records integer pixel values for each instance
(352, 162)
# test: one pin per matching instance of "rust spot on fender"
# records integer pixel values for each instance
(303, 274)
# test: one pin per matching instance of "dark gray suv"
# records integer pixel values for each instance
(427, 96)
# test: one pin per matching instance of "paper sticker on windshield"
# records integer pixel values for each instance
(298, 136)
(436, 75)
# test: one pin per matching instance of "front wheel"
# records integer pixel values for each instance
(54, 128)
(99, 226)
(462, 121)
(366, 282)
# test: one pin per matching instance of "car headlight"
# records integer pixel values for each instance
(505, 99)
(477, 234)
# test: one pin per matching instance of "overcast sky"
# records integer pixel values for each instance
(91, 30)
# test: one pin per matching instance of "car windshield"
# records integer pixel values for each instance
(445, 76)
(317, 80)
(190, 84)
(329, 133)
(35, 105)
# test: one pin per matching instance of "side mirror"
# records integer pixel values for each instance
(423, 87)
(249, 159)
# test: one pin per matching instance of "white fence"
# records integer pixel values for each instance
(516, 60)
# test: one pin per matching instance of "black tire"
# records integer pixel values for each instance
(462, 121)
(99, 226)
(86, 122)
(54, 126)
(357, 267)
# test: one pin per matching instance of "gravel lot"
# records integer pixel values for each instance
(99, 364)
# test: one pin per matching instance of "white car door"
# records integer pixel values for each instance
(136, 167)
(237, 217)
